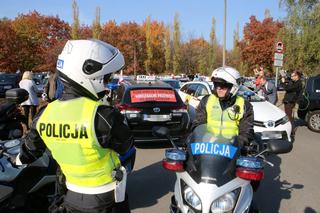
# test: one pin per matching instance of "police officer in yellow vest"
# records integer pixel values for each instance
(226, 113)
(83, 135)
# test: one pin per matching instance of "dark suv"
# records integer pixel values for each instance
(8, 81)
(152, 103)
(309, 105)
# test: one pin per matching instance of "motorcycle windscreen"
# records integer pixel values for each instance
(212, 159)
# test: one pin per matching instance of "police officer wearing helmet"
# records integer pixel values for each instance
(224, 112)
(83, 135)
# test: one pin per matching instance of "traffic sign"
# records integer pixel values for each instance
(279, 47)
(278, 56)
(278, 63)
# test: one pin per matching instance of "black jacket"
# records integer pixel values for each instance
(246, 133)
(293, 91)
(111, 129)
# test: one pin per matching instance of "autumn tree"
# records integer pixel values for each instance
(194, 56)
(176, 44)
(147, 62)
(85, 32)
(167, 49)
(76, 22)
(54, 34)
(96, 27)
(129, 38)
(233, 56)
(213, 51)
(110, 33)
(257, 46)
(29, 53)
(8, 46)
(301, 36)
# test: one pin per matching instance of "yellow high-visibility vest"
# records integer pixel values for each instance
(224, 122)
(67, 129)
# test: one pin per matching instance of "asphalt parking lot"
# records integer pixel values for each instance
(292, 185)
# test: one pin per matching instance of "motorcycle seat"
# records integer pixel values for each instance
(5, 192)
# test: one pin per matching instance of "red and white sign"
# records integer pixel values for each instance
(157, 95)
(279, 47)
(278, 55)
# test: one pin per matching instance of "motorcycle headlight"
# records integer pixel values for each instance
(225, 203)
(192, 198)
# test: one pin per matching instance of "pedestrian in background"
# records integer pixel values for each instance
(30, 105)
(259, 73)
(268, 90)
(54, 88)
(293, 88)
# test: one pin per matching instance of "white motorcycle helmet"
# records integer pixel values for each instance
(87, 64)
(227, 75)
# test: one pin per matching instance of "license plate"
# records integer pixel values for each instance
(268, 136)
(156, 117)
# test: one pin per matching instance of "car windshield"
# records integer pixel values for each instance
(174, 84)
(253, 98)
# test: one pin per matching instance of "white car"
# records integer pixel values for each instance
(269, 121)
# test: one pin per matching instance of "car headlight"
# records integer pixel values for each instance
(284, 120)
(225, 203)
(192, 198)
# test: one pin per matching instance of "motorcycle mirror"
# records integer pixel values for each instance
(160, 131)
(279, 147)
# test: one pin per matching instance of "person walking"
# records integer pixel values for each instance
(293, 88)
(54, 88)
(83, 135)
(29, 106)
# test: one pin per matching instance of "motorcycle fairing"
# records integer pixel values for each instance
(211, 158)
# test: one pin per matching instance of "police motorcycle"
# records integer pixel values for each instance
(25, 188)
(34, 187)
(212, 176)
(10, 114)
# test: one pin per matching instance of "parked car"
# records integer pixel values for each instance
(172, 82)
(8, 81)
(149, 103)
(270, 121)
(309, 104)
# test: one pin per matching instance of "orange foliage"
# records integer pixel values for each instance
(258, 44)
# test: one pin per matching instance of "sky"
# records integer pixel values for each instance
(195, 16)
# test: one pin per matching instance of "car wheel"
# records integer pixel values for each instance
(313, 121)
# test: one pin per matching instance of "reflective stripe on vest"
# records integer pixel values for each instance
(226, 122)
(67, 128)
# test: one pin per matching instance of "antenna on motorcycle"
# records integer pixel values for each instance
(163, 132)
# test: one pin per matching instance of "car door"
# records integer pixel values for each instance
(191, 100)
(183, 92)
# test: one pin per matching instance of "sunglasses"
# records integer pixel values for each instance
(222, 85)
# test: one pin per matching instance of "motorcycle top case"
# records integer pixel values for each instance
(17, 95)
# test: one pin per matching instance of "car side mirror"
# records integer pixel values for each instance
(279, 146)
(160, 131)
